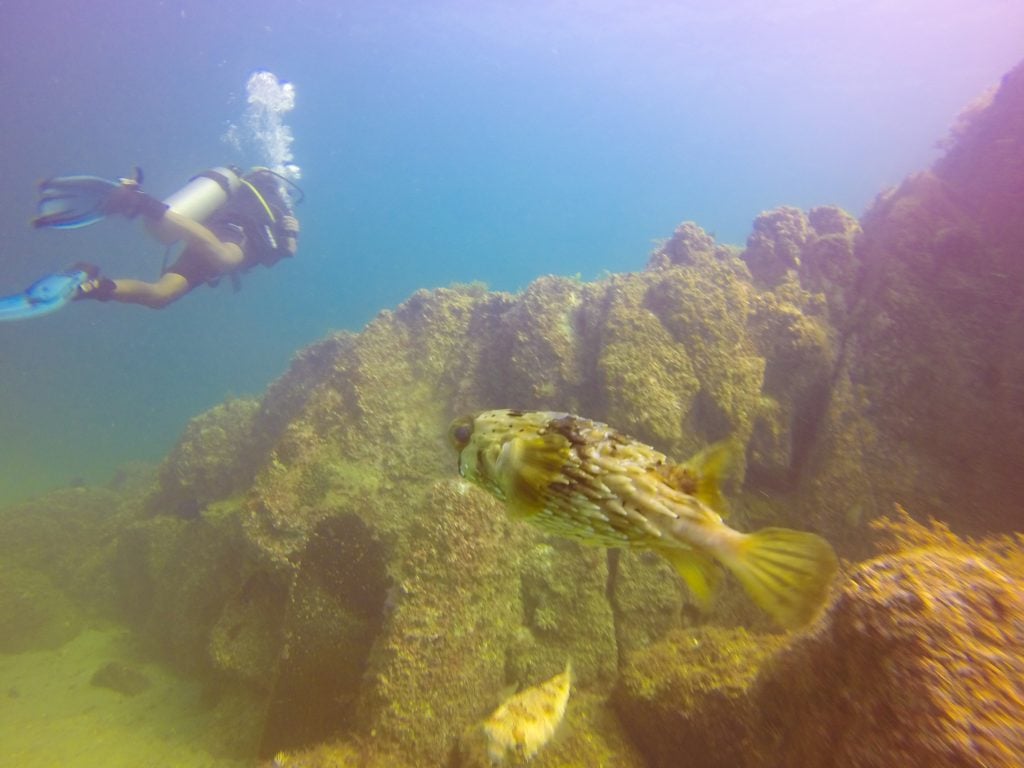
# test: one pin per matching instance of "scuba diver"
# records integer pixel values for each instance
(228, 221)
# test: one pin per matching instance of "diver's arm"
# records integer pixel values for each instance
(290, 227)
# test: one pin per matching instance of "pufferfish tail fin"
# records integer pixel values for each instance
(701, 475)
(787, 573)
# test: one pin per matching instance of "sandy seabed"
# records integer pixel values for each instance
(51, 715)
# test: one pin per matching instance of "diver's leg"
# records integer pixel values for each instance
(172, 227)
(170, 287)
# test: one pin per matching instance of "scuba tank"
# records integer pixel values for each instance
(205, 193)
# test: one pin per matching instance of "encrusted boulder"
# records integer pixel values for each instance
(920, 661)
(209, 461)
(691, 695)
(774, 248)
(688, 246)
(440, 656)
(33, 613)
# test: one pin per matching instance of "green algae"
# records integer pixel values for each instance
(691, 695)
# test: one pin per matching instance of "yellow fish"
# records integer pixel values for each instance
(582, 479)
(526, 722)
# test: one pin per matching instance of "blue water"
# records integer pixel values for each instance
(443, 141)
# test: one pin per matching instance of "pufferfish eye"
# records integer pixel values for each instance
(460, 431)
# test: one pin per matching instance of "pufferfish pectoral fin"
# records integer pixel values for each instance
(701, 475)
(528, 466)
(699, 571)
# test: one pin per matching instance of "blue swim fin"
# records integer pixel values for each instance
(45, 295)
(70, 202)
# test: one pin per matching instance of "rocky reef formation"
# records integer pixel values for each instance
(928, 407)
(315, 559)
(54, 565)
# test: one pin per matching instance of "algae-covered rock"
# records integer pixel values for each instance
(34, 614)
(335, 608)
(984, 166)
(69, 536)
(689, 245)
(647, 598)
(566, 615)
(935, 348)
(830, 263)
(920, 661)
(454, 610)
(775, 247)
(800, 352)
(648, 378)
(210, 460)
(705, 310)
(199, 602)
(546, 338)
(690, 695)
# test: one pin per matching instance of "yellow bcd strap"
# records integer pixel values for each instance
(259, 197)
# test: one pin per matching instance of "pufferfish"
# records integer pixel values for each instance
(528, 720)
(582, 479)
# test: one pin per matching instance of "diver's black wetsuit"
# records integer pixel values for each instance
(250, 220)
